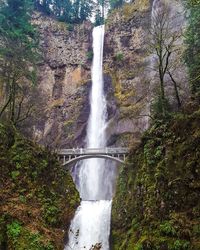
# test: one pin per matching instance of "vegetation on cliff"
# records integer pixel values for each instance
(18, 58)
(157, 203)
(38, 197)
(77, 11)
(193, 46)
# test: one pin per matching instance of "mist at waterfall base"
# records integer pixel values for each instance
(94, 177)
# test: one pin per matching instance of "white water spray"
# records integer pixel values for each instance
(91, 224)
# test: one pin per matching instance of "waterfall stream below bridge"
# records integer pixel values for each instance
(94, 177)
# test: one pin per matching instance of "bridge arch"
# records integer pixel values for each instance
(84, 157)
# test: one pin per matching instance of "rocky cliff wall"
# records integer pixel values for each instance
(64, 81)
(64, 76)
(128, 62)
(125, 62)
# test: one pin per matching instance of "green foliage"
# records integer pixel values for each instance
(119, 57)
(18, 57)
(156, 204)
(99, 20)
(70, 27)
(196, 230)
(62, 10)
(32, 178)
(15, 174)
(116, 3)
(14, 230)
(22, 198)
(167, 228)
(160, 108)
(33, 241)
(181, 245)
(148, 154)
(67, 11)
(51, 213)
(21, 238)
(90, 55)
(77, 11)
(192, 55)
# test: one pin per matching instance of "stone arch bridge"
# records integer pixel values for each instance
(68, 156)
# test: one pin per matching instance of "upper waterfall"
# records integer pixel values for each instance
(91, 224)
(92, 171)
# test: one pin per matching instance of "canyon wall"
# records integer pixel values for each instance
(156, 202)
(63, 84)
(128, 61)
(62, 101)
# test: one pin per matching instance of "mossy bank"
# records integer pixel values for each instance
(38, 197)
(157, 202)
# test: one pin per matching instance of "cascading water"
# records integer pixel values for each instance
(91, 224)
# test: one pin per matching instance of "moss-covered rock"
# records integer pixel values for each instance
(38, 197)
(157, 203)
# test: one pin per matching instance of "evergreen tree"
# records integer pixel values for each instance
(75, 10)
(103, 6)
(62, 9)
(43, 5)
(17, 55)
(86, 8)
(116, 3)
(82, 10)
(98, 18)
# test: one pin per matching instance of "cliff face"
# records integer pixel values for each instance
(125, 61)
(155, 205)
(62, 95)
(130, 64)
(64, 82)
(62, 101)
(62, 107)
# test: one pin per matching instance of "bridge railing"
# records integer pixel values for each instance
(85, 151)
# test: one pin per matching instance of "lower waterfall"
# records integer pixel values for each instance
(91, 224)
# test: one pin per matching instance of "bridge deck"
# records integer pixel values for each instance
(69, 156)
(93, 151)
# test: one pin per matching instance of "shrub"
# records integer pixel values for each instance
(70, 27)
(90, 55)
(119, 57)
(14, 230)
(167, 228)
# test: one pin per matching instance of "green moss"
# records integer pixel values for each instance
(119, 57)
(129, 10)
(14, 230)
(38, 196)
(157, 199)
(32, 241)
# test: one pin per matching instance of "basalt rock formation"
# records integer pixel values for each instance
(63, 82)
(130, 82)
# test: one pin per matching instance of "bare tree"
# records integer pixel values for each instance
(164, 46)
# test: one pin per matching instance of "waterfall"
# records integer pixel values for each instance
(91, 224)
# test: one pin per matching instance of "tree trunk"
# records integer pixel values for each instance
(175, 89)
